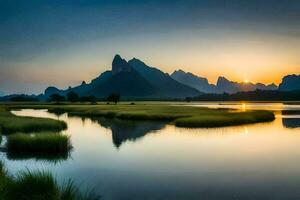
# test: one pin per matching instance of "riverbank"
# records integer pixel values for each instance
(179, 115)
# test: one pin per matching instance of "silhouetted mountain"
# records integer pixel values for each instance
(290, 82)
(120, 65)
(194, 81)
(21, 97)
(223, 84)
(168, 86)
(123, 79)
(52, 90)
(130, 80)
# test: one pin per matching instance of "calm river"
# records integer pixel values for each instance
(125, 160)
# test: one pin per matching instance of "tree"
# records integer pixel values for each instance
(188, 99)
(114, 97)
(56, 98)
(91, 99)
(72, 96)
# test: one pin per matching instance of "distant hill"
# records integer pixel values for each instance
(194, 81)
(168, 86)
(1, 94)
(131, 79)
(20, 98)
(223, 84)
(290, 82)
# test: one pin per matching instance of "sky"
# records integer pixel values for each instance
(63, 42)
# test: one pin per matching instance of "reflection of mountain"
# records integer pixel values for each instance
(291, 122)
(123, 130)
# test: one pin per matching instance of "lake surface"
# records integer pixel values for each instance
(151, 160)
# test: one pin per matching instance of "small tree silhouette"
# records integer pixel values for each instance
(114, 97)
(72, 96)
(56, 98)
(91, 99)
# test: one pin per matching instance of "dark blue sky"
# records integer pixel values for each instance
(40, 39)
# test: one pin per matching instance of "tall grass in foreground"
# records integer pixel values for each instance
(39, 144)
(38, 186)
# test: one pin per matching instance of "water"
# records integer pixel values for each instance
(151, 160)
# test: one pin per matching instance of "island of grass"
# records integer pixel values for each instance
(47, 145)
(10, 123)
(179, 115)
(38, 185)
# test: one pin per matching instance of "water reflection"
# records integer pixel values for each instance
(258, 161)
(37, 157)
(291, 118)
(291, 122)
(127, 130)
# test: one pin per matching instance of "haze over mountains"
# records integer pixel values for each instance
(135, 79)
(223, 84)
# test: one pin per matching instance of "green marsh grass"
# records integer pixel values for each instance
(42, 144)
(39, 185)
(10, 123)
(180, 115)
(227, 119)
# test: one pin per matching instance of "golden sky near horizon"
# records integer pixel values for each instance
(45, 44)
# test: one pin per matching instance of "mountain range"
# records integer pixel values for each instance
(132, 79)
(223, 85)
(136, 80)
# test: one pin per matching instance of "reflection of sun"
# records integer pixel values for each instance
(246, 131)
(243, 107)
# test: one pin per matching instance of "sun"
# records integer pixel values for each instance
(246, 81)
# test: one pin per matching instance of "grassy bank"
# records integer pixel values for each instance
(38, 185)
(38, 144)
(226, 119)
(10, 123)
(183, 116)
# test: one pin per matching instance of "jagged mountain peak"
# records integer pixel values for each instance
(120, 65)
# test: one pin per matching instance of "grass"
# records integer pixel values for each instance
(38, 144)
(182, 116)
(226, 119)
(38, 185)
(10, 123)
